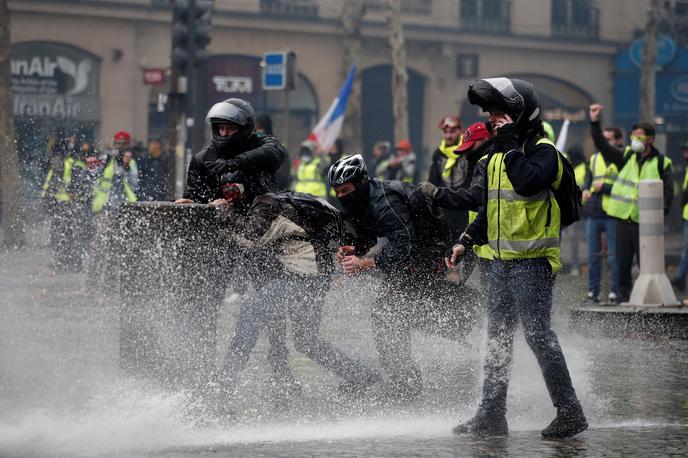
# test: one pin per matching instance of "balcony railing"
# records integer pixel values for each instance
(575, 19)
(410, 7)
(485, 16)
(293, 8)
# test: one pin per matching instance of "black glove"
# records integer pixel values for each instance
(428, 189)
(507, 137)
(222, 166)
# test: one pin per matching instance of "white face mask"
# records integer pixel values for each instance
(637, 146)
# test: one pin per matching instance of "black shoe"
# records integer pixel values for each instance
(484, 424)
(569, 421)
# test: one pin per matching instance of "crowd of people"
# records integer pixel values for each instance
(83, 184)
(502, 172)
(498, 195)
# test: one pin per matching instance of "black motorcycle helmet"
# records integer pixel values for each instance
(234, 111)
(515, 97)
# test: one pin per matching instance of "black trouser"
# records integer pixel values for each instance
(627, 245)
(429, 304)
(522, 289)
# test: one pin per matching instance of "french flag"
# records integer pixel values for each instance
(327, 130)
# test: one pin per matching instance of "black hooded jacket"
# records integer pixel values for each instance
(259, 158)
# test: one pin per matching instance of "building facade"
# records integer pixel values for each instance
(83, 62)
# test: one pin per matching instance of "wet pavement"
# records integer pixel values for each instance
(63, 393)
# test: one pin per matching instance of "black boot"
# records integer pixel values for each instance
(569, 421)
(485, 423)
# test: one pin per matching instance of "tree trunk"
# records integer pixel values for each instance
(648, 69)
(399, 74)
(10, 185)
(352, 17)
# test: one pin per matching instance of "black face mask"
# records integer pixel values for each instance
(355, 203)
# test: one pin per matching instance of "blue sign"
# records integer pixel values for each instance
(666, 50)
(274, 71)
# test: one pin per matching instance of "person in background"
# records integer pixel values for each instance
(333, 155)
(680, 280)
(378, 163)
(576, 232)
(402, 165)
(639, 161)
(153, 167)
(309, 175)
(450, 169)
(119, 181)
(597, 185)
(63, 200)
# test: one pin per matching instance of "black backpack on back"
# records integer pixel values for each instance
(569, 195)
(320, 219)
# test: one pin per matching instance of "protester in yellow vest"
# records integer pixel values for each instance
(599, 178)
(520, 219)
(64, 200)
(119, 180)
(309, 177)
(680, 280)
(450, 169)
(639, 161)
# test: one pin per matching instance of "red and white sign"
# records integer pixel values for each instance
(153, 76)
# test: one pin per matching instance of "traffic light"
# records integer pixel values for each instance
(190, 32)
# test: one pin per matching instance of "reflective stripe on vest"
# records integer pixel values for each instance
(101, 191)
(600, 171)
(482, 251)
(67, 169)
(309, 178)
(623, 200)
(522, 227)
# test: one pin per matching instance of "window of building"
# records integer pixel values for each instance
(294, 8)
(485, 15)
(575, 18)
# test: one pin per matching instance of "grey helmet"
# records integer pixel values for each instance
(347, 169)
(235, 111)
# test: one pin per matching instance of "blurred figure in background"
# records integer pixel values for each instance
(599, 178)
(153, 172)
(402, 165)
(378, 164)
(680, 280)
(450, 169)
(63, 200)
(309, 175)
(119, 181)
(576, 231)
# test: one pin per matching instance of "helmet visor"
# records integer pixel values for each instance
(227, 112)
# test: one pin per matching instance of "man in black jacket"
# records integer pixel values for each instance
(234, 147)
(286, 238)
(415, 293)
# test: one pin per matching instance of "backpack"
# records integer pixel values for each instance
(315, 215)
(568, 195)
(429, 221)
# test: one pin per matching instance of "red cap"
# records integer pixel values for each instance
(404, 144)
(122, 135)
(450, 121)
(472, 134)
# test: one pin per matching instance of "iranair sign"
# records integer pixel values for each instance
(54, 80)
